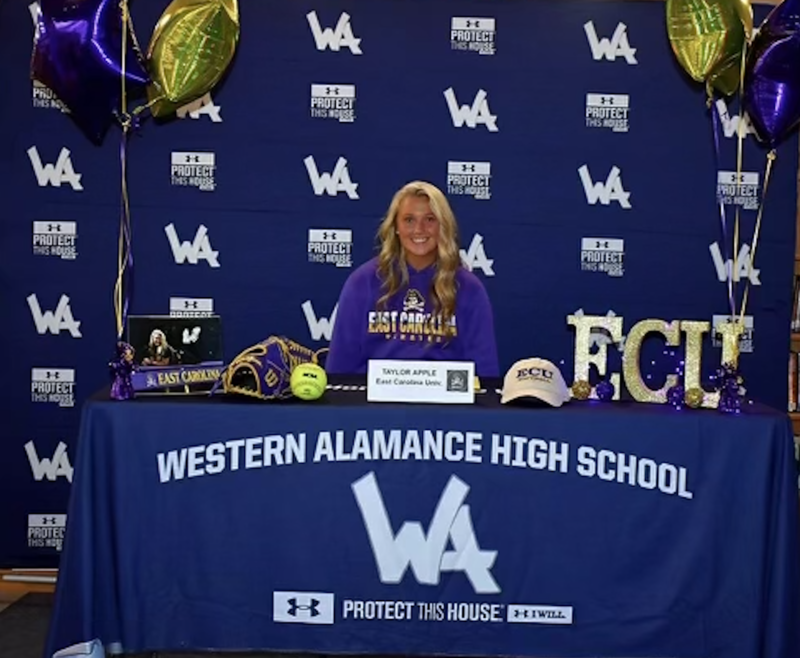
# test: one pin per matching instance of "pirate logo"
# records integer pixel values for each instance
(414, 301)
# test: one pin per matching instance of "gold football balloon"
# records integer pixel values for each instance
(708, 38)
(192, 46)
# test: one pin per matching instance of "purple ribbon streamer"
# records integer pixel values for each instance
(126, 277)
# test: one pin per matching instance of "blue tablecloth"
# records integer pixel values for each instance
(341, 527)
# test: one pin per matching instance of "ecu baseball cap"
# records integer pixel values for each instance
(535, 378)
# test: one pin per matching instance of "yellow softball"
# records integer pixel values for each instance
(308, 381)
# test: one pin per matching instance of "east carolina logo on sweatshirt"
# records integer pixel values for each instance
(412, 323)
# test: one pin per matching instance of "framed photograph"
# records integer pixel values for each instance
(163, 341)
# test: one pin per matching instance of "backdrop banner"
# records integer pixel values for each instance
(577, 154)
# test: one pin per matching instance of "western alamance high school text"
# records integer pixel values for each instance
(243, 454)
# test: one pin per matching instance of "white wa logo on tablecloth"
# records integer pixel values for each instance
(426, 553)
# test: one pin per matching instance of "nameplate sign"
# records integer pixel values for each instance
(201, 376)
(421, 381)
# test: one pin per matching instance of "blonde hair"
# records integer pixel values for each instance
(157, 333)
(392, 268)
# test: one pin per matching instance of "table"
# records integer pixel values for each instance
(596, 529)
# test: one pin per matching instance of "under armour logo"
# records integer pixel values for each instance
(326, 235)
(54, 227)
(523, 613)
(468, 167)
(332, 90)
(601, 244)
(606, 100)
(51, 520)
(303, 607)
(312, 607)
(190, 304)
(475, 24)
(192, 158)
(53, 375)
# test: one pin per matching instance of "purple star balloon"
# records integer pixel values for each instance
(78, 55)
(772, 74)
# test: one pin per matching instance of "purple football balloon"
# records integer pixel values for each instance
(772, 74)
(78, 55)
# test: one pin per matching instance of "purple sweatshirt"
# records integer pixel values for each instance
(406, 329)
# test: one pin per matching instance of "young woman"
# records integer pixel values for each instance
(415, 300)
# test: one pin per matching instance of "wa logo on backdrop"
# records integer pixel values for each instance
(741, 270)
(333, 102)
(608, 111)
(334, 38)
(746, 343)
(55, 238)
(605, 192)
(49, 468)
(198, 249)
(53, 385)
(320, 328)
(475, 34)
(330, 245)
(191, 307)
(738, 189)
(469, 179)
(475, 257)
(62, 172)
(54, 321)
(736, 125)
(331, 183)
(603, 255)
(46, 530)
(203, 106)
(471, 115)
(193, 169)
(610, 48)
(426, 552)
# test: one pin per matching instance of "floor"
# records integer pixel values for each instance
(11, 589)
